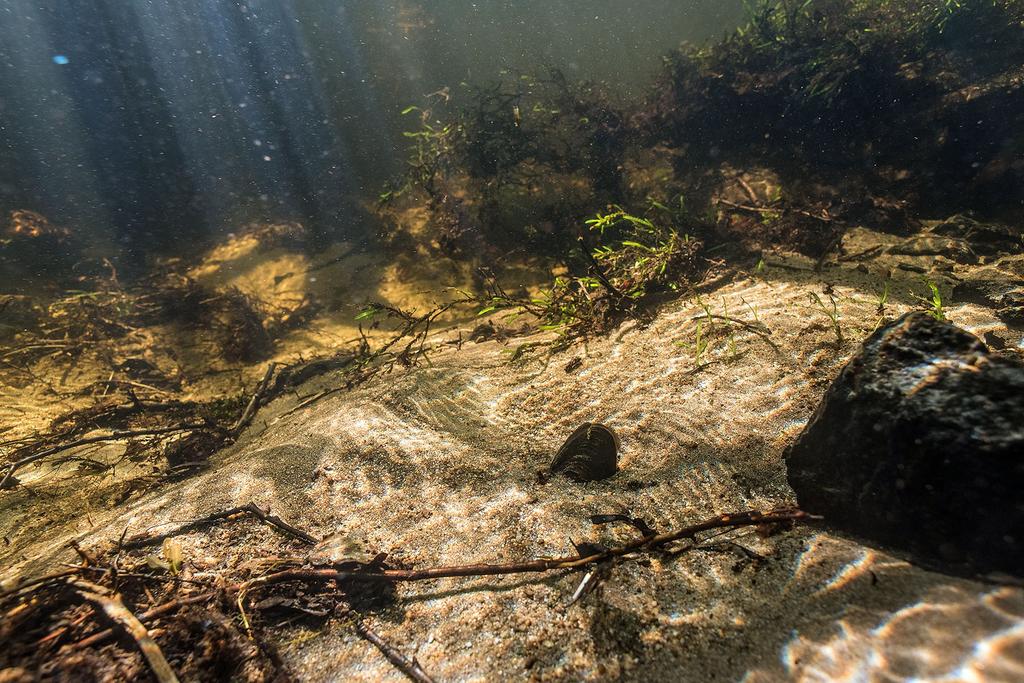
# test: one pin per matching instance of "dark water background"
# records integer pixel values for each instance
(156, 121)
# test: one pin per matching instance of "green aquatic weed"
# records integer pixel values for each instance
(729, 327)
(934, 305)
(700, 345)
(831, 312)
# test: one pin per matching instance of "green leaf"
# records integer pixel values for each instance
(408, 110)
(368, 312)
(488, 309)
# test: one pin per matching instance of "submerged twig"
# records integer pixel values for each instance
(349, 574)
(148, 615)
(123, 617)
(254, 403)
(114, 436)
(252, 508)
(746, 518)
(410, 668)
(764, 210)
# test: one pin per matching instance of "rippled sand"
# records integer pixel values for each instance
(438, 465)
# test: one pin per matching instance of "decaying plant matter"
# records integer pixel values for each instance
(50, 630)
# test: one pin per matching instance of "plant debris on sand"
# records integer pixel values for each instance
(814, 123)
(54, 615)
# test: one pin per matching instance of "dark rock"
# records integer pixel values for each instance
(17, 313)
(984, 238)
(918, 446)
(1005, 296)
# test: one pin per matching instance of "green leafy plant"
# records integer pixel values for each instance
(730, 331)
(700, 345)
(831, 311)
(933, 305)
(634, 259)
(883, 299)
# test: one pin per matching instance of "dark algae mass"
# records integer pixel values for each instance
(512, 341)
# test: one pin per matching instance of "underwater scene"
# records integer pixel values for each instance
(437, 340)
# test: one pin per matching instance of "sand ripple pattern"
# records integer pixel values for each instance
(438, 465)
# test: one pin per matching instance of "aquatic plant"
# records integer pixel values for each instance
(883, 300)
(731, 332)
(498, 160)
(775, 91)
(700, 345)
(933, 305)
(831, 311)
(635, 258)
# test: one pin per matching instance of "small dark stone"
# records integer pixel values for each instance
(17, 313)
(994, 341)
(591, 453)
(918, 446)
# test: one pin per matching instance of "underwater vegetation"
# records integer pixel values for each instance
(748, 162)
(813, 117)
(516, 159)
(914, 102)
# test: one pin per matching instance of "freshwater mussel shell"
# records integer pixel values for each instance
(591, 453)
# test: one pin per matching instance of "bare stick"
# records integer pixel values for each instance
(747, 518)
(148, 615)
(39, 581)
(747, 188)
(410, 668)
(760, 210)
(113, 436)
(252, 508)
(123, 617)
(309, 401)
(254, 403)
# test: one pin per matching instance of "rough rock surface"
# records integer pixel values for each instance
(919, 445)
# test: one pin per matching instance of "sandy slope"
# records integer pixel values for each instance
(437, 465)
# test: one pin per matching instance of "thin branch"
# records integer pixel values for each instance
(252, 508)
(149, 615)
(254, 403)
(747, 518)
(410, 668)
(113, 436)
(762, 210)
(123, 617)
